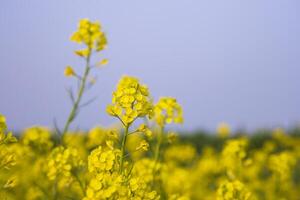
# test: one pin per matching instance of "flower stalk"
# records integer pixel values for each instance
(123, 149)
(75, 107)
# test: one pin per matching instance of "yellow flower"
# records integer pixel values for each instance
(134, 184)
(144, 145)
(90, 34)
(282, 164)
(145, 129)
(61, 161)
(2, 125)
(82, 53)
(223, 130)
(38, 138)
(172, 137)
(130, 101)
(167, 110)
(103, 62)
(12, 182)
(69, 71)
(102, 160)
(2, 119)
(233, 190)
(5, 137)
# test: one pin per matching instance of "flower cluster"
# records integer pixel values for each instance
(223, 130)
(233, 155)
(101, 160)
(281, 164)
(37, 137)
(167, 110)
(130, 100)
(91, 35)
(61, 162)
(7, 158)
(233, 190)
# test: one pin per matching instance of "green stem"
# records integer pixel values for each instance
(158, 145)
(55, 192)
(78, 98)
(157, 151)
(123, 148)
(80, 183)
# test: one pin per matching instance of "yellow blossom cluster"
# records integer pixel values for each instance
(167, 110)
(223, 130)
(130, 100)
(7, 158)
(90, 34)
(37, 137)
(282, 163)
(100, 160)
(61, 162)
(233, 190)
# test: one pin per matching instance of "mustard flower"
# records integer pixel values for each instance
(38, 138)
(167, 110)
(69, 71)
(172, 137)
(282, 164)
(130, 101)
(223, 130)
(101, 160)
(144, 129)
(61, 161)
(144, 145)
(233, 156)
(233, 190)
(5, 136)
(103, 62)
(90, 34)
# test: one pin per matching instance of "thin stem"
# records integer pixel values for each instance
(121, 120)
(158, 145)
(74, 110)
(80, 182)
(123, 148)
(55, 192)
(136, 131)
(157, 151)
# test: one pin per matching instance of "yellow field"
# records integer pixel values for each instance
(139, 158)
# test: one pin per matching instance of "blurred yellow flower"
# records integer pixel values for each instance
(144, 145)
(104, 62)
(69, 71)
(167, 110)
(223, 130)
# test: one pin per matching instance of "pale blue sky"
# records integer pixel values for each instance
(233, 61)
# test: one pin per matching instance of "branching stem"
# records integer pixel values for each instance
(81, 89)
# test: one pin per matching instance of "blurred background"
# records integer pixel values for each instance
(232, 61)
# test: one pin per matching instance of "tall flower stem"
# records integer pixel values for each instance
(157, 151)
(75, 107)
(158, 145)
(123, 148)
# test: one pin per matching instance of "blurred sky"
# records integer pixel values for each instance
(233, 61)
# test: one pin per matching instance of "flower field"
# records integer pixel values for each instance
(141, 158)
